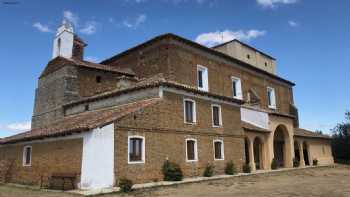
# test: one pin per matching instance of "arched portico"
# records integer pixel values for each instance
(255, 150)
(282, 147)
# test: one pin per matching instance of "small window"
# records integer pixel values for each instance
(271, 98)
(136, 149)
(218, 150)
(248, 56)
(98, 79)
(237, 88)
(202, 78)
(27, 156)
(86, 107)
(189, 111)
(191, 150)
(265, 64)
(216, 115)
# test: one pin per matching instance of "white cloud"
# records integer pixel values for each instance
(89, 28)
(92, 59)
(214, 38)
(273, 3)
(293, 23)
(71, 17)
(41, 27)
(16, 126)
(135, 22)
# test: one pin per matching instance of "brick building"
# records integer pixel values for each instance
(166, 99)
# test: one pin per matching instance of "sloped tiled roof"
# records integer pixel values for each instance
(81, 122)
(155, 81)
(59, 62)
(305, 133)
(251, 127)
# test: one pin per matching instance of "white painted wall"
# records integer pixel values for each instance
(97, 169)
(65, 33)
(257, 118)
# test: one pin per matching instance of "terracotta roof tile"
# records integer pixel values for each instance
(59, 62)
(306, 133)
(251, 127)
(81, 122)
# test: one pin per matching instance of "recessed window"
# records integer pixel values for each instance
(216, 115)
(189, 111)
(86, 107)
(191, 150)
(136, 149)
(236, 88)
(271, 97)
(98, 79)
(265, 64)
(248, 56)
(27, 156)
(218, 150)
(202, 78)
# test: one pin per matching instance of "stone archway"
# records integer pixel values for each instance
(258, 153)
(282, 147)
(306, 154)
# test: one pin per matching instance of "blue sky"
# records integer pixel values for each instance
(309, 38)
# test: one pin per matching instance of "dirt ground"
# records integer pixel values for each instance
(325, 182)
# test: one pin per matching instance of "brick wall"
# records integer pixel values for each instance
(165, 132)
(49, 157)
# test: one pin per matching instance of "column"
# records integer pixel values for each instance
(301, 153)
(251, 155)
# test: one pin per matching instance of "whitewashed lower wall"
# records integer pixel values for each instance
(98, 158)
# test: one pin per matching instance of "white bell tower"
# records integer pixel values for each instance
(63, 42)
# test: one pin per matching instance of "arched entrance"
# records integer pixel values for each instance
(281, 144)
(246, 150)
(258, 146)
(296, 151)
(306, 154)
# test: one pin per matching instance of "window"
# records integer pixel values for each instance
(202, 78)
(248, 56)
(98, 79)
(191, 150)
(218, 150)
(265, 64)
(136, 149)
(86, 107)
(27, 156)
(236, 88)
(189, 111)
(216, 115)
(271, 98)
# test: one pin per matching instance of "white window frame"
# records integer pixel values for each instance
(205, 78)
(273, 98)
(239, 94)
(212, 115)
(194, 114)
(24, 156)
(143, 149)
(195, 150)
(222, 149)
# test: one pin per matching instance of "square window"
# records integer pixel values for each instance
(218, 150)
(189, 111)
(27, 156)
(136, 149)
(98, 79)
(216, 115)
(191, 150)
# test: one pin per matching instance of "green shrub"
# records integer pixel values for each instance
(230, 168)
(274, 164)
(315, 162)
(296, 163)
(246, 168)
(125, 185)
(172, 171)
(209, 171)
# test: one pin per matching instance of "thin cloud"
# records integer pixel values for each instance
(274, 3)
(71, 17)
(16, 127)
(214, 38)
(135, 22)
(42, 28)
(89, 28)
(293, 23)
(92, 59)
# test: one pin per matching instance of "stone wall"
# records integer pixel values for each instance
(62, 156)
(165, 133)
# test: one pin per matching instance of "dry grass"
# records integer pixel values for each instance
(325, 182)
